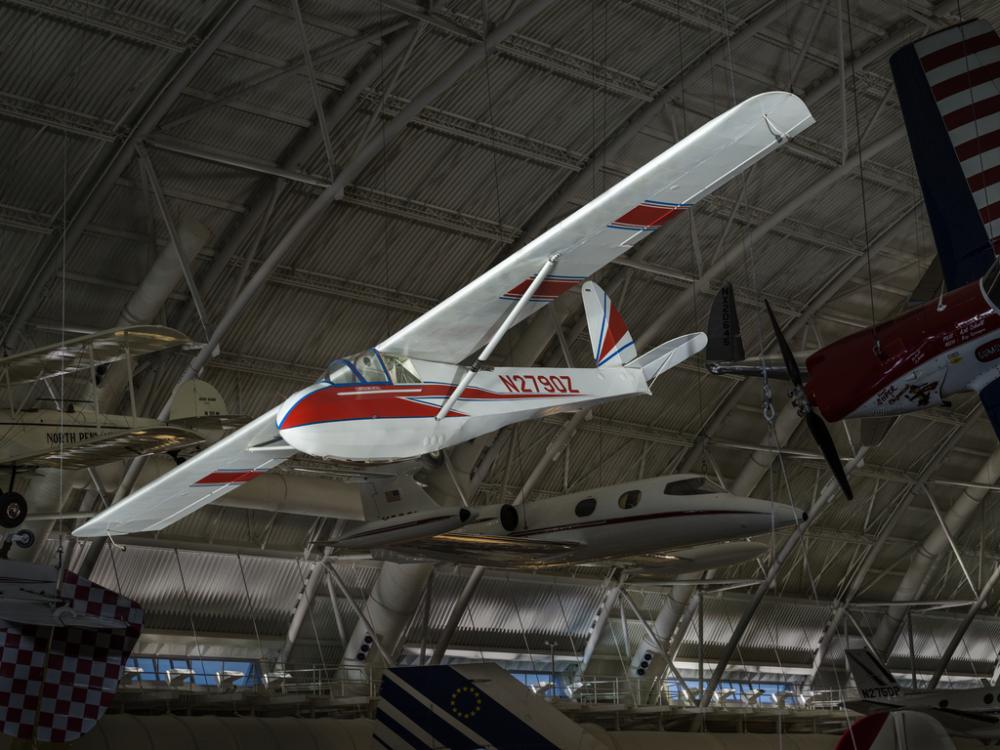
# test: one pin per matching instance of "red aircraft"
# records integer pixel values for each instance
(948, 85)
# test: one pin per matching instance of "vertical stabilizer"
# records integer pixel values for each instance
(874, 681)
(58, 679)
(725, 343)
(470, 706)
(949, 91)
(609, 336)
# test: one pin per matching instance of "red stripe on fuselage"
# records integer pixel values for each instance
(848, 373)
(339, 404)
(230, 477)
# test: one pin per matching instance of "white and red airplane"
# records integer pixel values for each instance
(411, 394)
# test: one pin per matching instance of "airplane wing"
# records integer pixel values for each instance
(605, 228)
(247, 453)
(87, 351)
(483, 549)
(116, 446)
(689, 560)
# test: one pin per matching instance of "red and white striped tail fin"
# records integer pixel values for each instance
(57, 682)
(949, 91)
(609, 336)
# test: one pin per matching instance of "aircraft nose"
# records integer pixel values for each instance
(763, 515)
(287, 415)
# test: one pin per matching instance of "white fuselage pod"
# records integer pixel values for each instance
(647, 515)
(390, 421)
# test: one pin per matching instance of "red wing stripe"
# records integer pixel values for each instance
(974, 111)
(549, 289)
(959, 50)
(966, 81)
(647, 216)
(229, 477)
(976, 146)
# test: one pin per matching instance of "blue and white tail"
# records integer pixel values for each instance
(469, 706)
(948, 85)
(609, 336)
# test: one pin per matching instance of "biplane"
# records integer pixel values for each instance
(78, 435)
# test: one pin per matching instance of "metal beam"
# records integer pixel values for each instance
(830, 491)
(963, 628)
(118, 159)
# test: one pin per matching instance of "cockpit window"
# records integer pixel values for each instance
(360, 369)
(371, 367)
(692, 486)
(400, 369)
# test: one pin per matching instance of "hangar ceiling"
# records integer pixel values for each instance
(452, 132)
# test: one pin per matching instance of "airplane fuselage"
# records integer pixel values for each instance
(634, 518)
(962, 706)
(924, 356)
(39, 431)
(393, 420)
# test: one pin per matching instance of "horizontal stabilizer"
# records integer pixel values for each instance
(670, 354)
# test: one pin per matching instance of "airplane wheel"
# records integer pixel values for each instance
(25, 539)
(13, 510)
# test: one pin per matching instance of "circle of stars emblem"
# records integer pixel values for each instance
(466, 702)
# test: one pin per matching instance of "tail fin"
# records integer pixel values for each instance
(874, 681)
(469, 706)
(725, 344)
(609, 336)
(895, 730)
(386, 496)
(58, 681)
(949, 91)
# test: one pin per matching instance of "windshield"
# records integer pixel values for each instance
(370, 367)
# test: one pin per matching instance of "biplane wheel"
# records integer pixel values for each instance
(25, 538)
(13, 510)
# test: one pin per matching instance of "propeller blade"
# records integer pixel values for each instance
(815, 422)
(786, 353)
(823, 438)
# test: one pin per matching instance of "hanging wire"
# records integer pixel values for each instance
(253, 618)
(861, 177)
(190, 608)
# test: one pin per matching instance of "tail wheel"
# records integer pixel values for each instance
(13, 510)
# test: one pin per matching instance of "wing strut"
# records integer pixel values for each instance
(494, 341)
